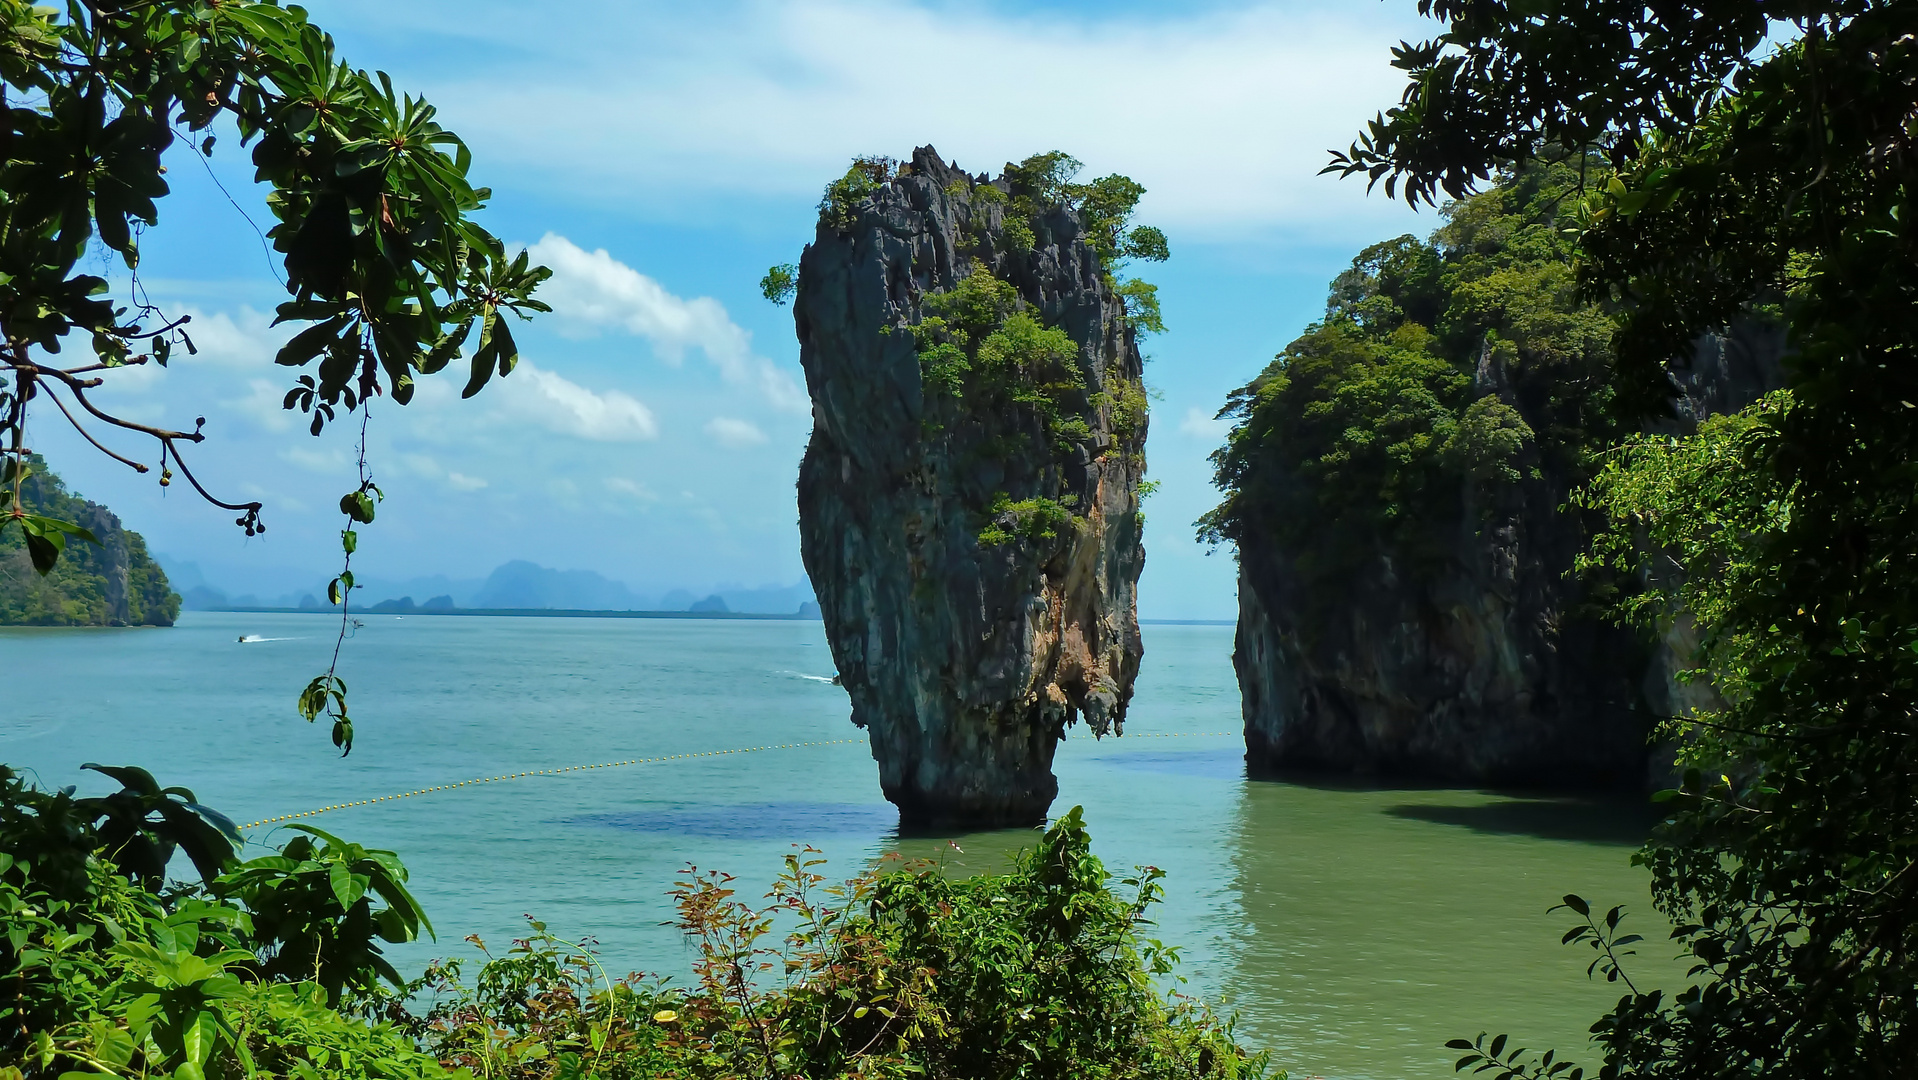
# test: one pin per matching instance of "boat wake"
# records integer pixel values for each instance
(250, 639)
(827, 679)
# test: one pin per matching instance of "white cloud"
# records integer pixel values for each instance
(734, 434)
(265, 406)
(631, 487)
(243, 338)
(316, 460)
(421, 465)
(1224, 115)
(592, 291)
(535, 395)
(1200, 424)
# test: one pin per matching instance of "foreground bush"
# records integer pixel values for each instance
(111, 971)
(273, 967)
(900, 971)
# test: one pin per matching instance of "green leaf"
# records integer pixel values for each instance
(340, 878)
(197, 1037)
(47, 538)
(311, 341)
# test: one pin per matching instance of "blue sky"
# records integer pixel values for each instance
(660, 157)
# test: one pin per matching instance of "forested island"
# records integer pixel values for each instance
(111, 582)
(1400, 489)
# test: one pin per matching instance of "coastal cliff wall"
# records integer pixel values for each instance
(969, 499)
(1397, 490)
(112, 583)
(1494, 668)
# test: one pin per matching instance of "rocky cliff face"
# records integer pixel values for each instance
(112, 583)
(969, 517)
(1495, 671)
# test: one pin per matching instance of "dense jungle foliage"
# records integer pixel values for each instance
(78, 592)
(1765, 157)
(273, 967)
(1443, 371)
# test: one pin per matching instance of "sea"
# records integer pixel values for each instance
(1353, 929)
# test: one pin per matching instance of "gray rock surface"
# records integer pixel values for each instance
(1497, 672)
(965, 661)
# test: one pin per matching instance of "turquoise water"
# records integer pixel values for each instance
(1353, 929)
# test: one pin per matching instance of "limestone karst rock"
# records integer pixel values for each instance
(114, 582)
(1398, 487)
(1495, 671)
(969, 500)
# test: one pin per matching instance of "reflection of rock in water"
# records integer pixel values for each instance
(966, 659)
(1380, 922)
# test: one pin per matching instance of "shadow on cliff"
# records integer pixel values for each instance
(1592, 821)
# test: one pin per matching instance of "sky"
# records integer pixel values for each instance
(659, 157)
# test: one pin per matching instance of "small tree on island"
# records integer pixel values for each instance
(388, 275)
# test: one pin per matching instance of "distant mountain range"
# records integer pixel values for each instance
(518, 585)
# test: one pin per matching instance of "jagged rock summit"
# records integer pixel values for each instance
(969, 500)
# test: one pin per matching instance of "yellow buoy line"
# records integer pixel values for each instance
(615, 765)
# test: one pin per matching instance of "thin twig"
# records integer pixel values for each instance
(346, 591)
(207, 164)
(252, 507)
(79, 388)
(130, 463)
(132, 361)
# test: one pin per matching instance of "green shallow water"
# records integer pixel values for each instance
(1353, 929)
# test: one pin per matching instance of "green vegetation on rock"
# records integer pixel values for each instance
(862, 178)
(1027, 519)
(112, 582)
(987, 350)
(1443, 370)
(1764, 160)
(980, 342)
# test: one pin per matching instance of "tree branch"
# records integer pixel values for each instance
(84, 433)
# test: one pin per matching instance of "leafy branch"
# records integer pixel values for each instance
(326, 694)
(1493, 1057)
(388, 275)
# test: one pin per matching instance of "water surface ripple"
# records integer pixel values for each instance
(1354, 929)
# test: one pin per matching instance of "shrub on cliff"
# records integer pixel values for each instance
(1442, 370)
